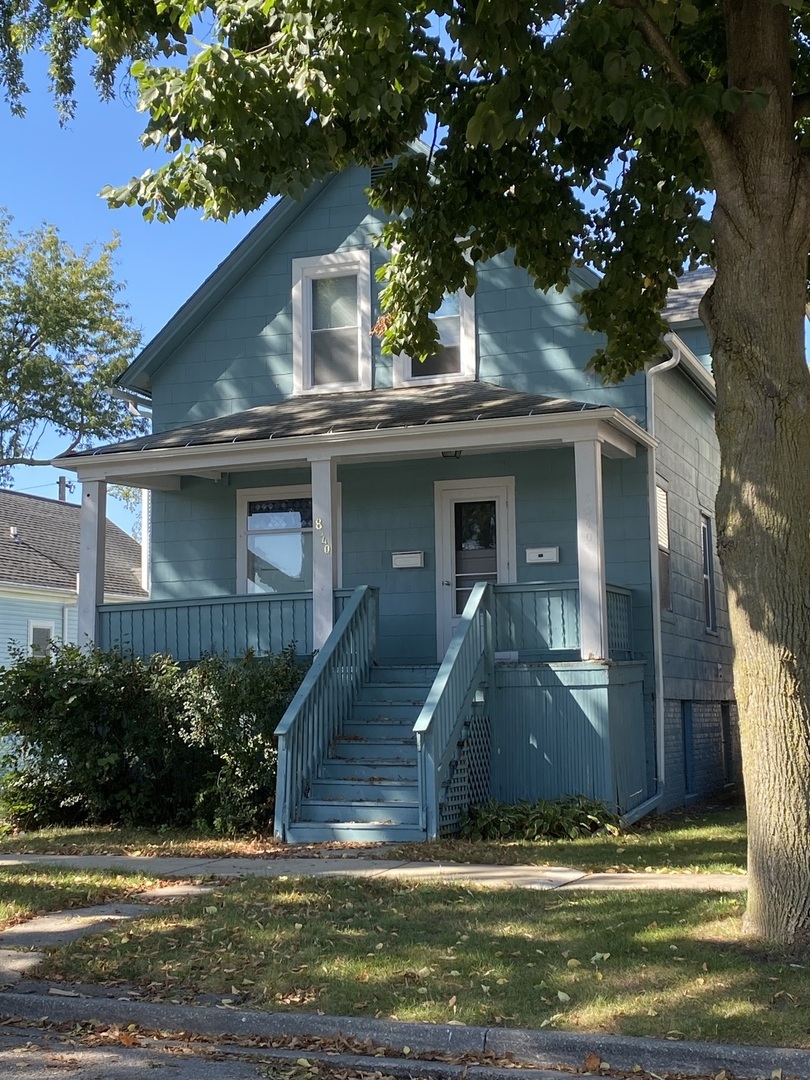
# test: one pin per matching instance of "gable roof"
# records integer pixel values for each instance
(46, 553)
(363, 410)
(216, 286)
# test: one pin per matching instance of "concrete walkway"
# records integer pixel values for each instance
(501, 877)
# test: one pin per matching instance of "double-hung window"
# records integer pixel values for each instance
(332, 322)
(707, 543)
(454, 360)
(275, 543)
(664, 558)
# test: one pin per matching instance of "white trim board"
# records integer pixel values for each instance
(618, 434)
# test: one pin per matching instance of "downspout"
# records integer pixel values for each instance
(658, 658)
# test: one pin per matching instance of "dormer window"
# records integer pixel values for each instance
(455, 358)
(332, 322)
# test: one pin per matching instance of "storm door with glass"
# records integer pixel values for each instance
(474, 542)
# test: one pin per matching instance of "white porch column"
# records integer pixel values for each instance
(593, 642)
(92, 543)
(324, 549)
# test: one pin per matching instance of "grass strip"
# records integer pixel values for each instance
(706, 842)
(26, 891)
(672, 965)
(710, 842)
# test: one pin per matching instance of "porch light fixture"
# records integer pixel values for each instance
(451, 453)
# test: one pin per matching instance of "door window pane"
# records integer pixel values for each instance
(476, 556)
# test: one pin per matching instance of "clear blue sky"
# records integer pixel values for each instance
(54, 174)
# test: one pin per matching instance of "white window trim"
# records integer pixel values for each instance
(300, 491)
(338, 264)
(467, 352)
(40, 624)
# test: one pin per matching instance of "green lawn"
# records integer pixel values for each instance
(664, 964)
(26, 891)
(708, 841)
(700, 842)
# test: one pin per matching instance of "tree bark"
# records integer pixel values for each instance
(755, 315)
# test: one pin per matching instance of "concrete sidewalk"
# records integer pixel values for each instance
(501, 877)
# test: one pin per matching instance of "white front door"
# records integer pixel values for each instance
(475, 541)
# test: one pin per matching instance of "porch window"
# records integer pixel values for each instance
(455, 358)
(279, 545)
(707, 543)
(332, 322)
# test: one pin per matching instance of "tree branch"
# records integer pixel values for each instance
(655, 38)
(715, 142)
(7, 462)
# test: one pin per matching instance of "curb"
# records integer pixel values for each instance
(540, 1049)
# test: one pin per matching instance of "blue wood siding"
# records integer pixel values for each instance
(194, 534)
(16, 610)
(697, 663)
(561, 729)
(240, 355)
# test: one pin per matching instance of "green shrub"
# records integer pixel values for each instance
(231, 710)
(564, 819)
(100, 738)
(97, 740)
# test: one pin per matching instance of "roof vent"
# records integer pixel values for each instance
(378, 171)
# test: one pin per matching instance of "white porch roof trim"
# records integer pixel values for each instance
(162, 468)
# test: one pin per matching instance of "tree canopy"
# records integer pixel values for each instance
(634, 136)
(65, 336)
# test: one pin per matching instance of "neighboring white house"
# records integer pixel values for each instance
(39, 564)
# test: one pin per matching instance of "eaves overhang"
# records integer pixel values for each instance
(618, 435)
(216, 287)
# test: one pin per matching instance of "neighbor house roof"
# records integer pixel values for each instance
(683, 302)
(46, 550)
(364, 410)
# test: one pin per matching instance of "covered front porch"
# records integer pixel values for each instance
(470, 568)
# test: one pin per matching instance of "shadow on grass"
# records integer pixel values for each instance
(667, 964)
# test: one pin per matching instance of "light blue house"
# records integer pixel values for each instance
(506, 568)
(39, 564)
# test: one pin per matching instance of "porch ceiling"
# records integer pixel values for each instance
(371, 423)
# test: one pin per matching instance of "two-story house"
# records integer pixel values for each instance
(505, 568)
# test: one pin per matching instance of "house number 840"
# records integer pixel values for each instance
(327, 547)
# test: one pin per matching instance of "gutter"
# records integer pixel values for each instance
(674, 345)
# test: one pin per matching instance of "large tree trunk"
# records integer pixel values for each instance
(755, 317)
(763, 530)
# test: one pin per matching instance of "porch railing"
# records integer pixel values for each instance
(324, 701)
(540, 620)
(188, 629)
(467, 666)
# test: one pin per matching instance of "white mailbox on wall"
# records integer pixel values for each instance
(405, 560)
(543, 555)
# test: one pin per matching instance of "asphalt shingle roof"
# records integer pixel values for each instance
(364, 410)
(47, 551)
(683, 302)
